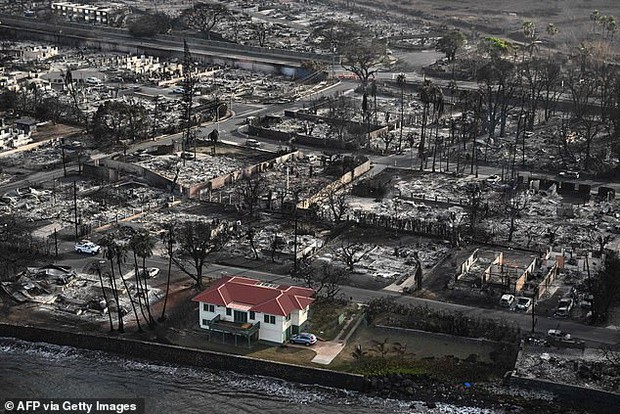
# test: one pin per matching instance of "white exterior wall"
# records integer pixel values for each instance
(267, 332)
(202, 315)
(299, 317)
(271, 332)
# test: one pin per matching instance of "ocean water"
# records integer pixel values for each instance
(39, 370)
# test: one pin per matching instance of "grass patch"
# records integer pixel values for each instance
(377, 351)
(324, 317)
(286, 354)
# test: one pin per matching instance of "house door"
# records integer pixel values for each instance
(241, 317)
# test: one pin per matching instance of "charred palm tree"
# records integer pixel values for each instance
(143, 247)
(121, 257)
(169, 241)
(133, 241)
(109, 252)
(97, 269)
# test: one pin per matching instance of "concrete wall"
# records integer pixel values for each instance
(375, 130)
(600, 401)
(219, 182)
(100, 172)
(466, 265)
(186, 356)
(546, 282)
(334, 186)
(299, 138)
(150, 176)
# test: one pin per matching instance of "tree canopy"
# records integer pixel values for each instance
(450, 43)
(115, 121)
(204, 16)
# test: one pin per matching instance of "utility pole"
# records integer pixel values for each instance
(533, 314)
(295, 242)
(75, 210)
(56, 242)
(64, 160)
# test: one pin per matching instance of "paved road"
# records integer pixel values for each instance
(593, 336)
(229, 132)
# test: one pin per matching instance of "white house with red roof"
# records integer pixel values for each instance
(254, 309)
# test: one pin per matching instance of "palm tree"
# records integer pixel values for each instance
(168, 239)
(97, 269)
(139, 288)
(552, 30)
(109, 252)
(121, 257)
(429, 94)
(425, 96)
(529, 31)
(143, 247)
(438, 108)
(595, 17)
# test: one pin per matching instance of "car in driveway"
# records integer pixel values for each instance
(507, 300)
(150, 273)
(565, 306)
(88, 247)
(523, 303)
(493, 178)
(303, 338)
(558, 335)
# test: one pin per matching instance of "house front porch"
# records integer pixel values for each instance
(245, 330)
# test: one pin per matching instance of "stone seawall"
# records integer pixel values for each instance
(185, 356)
(598, 401)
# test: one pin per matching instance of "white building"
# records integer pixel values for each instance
(82, 12)
(253, 309)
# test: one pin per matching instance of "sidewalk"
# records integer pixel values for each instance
(327, 351)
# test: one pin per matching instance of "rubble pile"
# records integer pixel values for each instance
(264, 237)
(304, 177)
(64, 290)
(549, 218)
(189, 171)
(589, 369)
(391, 260)
(290, 25)
(155, 221)
(97, 205)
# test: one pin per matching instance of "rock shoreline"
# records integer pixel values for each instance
(421, 389)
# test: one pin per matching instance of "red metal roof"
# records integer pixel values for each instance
(260, 296)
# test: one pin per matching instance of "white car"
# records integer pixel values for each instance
(558, 334)
(252, 143)
(569, 174)
(565, 305)
(151, 272)
(88, 247)
(507, 300)
(523, 303)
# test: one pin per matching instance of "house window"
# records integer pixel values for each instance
(252, 315)
(270, 319)
(208, 308)
(205, 322)
(228, 311)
